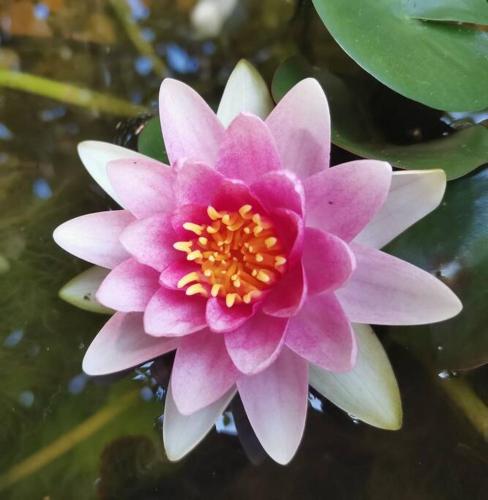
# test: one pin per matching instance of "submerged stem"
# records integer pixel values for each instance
(67, 441)
(463, 396)
(68, 93)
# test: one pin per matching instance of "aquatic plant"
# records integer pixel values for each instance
(256, 262)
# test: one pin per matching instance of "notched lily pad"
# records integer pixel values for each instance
(355, 125)
(440, 64)
(464, 11)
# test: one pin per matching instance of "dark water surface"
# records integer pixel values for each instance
(64, 436)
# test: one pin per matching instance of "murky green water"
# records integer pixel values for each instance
(63, 436)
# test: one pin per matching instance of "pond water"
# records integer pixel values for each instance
(65, 436)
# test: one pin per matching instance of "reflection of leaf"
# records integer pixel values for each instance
(150, 141)
(442, 65)
(355, 129)
(466, 11)
(453, 242)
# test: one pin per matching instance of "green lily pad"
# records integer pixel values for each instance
(443, 65)
(466, 11)
(452, 242)
(355, 128)
(150, 141)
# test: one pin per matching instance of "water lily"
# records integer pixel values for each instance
(256, 262)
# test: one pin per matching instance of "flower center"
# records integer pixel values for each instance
(238, 253)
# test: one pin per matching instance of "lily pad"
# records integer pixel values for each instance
(150, 141)
(355, 127)
(452, 242)
(441, 64)
(466, 11)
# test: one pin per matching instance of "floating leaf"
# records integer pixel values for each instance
(439, 64)
(150, 141)
(354, 126)
(466, 11)
(452, 242)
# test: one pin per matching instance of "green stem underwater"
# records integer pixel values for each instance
(70, 94)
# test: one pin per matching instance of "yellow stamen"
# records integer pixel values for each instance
(195, 289)
(183, 246)
(230, 299)
(213, 214)
(194, 228)
(188, 278)
(196, 254)
(263, 276)
(236, 256)
(270, 242)
(279, 260)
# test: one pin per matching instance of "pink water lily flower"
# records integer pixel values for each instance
(253, 259)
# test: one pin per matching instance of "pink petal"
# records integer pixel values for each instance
(248, 150)
(257, 343)
(281, 189)
(151, 241)
(288, 295)
(413, 194)
(128, 287)
(322, 334)
(181, 433)
(144, 186)
(196, 183)
(221, 318)
(171, 313)
(300, 124)
(190, 128)
(202, 371)
(328, 261)
(188, 213)
(290, 230)
(122, 344)
(232, 194)
(275, 401)
(385, 290)
(95, 237)
(343, 199)
(174, 272)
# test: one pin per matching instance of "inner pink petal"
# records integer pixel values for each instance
(128, 287)
(322, 334)
(328, 261)
(280, 189)
(171, 313)
(150, 241)
(257, 343)
(202, 371)
(248, 150)
(221, 318)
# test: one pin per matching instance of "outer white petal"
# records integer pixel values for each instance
(370, 390)
(413, 194)
(181, 433)
(96, 154)
(245, 92)
(80, 291)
